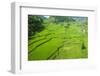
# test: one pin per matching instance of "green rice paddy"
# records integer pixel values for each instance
(58, 41)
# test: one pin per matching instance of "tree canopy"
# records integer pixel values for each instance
(34, 24)
(58, 19)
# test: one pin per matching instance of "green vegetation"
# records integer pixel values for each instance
(57, 37)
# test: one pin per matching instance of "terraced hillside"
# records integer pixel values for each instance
(59, 41)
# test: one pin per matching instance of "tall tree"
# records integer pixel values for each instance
(34, 24)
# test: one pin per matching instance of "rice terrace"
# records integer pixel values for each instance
(57, 37)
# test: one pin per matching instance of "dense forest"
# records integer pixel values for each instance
(57, 37)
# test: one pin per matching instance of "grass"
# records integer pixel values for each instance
(58, 42)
